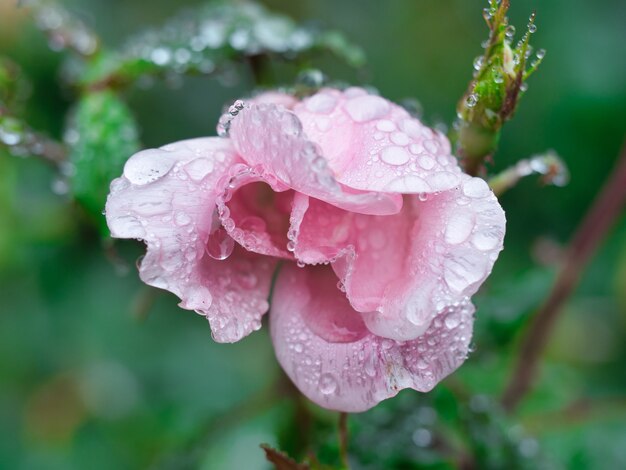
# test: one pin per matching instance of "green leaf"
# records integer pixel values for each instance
(65, 30)
(212, 37)
(103, 136)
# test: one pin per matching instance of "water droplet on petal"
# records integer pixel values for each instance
(199, 168)
(395, 156)
(126, 226)
(459, 227)
(148, 166)
(182, 218)
(385, 125)
(366, 108)
(452, 321)
(327, 384)
(322, 103)
(486, 240)
(476, 188)
(220, 245)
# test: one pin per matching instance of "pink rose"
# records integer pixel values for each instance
(383, 239)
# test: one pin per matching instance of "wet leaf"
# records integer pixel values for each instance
(102, 137)
(214, 36)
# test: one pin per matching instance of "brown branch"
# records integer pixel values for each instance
(597, 222)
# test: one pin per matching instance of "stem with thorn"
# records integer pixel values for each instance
(604, 212)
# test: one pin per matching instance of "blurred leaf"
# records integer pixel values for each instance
(103, 136)
(14, 87)
(215, 35)
(64, 29)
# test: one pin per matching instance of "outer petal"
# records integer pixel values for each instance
(401, 270)
(166, 198)
(270, 139)
(324, 348)
(375, 145)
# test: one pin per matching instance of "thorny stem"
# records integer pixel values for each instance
(597, 222)
(343, 439)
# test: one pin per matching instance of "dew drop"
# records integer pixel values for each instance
(478, 62)
(199, 168)
(510, 31)
(399, 138)
(148, 166)
(367, 108)
(327, 384)
(475, 188)
(182, 218)
(220, 245)
(385, 125)
(452, 321)
(127, 226)
(395, 156)
(471, 100)
(322, 103)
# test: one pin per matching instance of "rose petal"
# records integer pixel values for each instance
(270, 139)
(239, 286)
(323, 346)
(254, 209)
(166, 198)
(401, 270)
(373, 144)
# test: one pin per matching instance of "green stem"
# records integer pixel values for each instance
(343, 439)
(476, 143)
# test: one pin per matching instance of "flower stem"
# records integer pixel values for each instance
(343, 439)
(601, 216)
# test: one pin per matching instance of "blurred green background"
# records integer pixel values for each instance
(98, 371)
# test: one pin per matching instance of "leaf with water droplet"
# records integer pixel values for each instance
(213, 37)
(105, 137)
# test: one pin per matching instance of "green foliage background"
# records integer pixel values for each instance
(98, 371)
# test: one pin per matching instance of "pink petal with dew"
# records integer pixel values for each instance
(270, 139)
(254, 209)
(166, 197)
(327, 351)
(400, 271)
(372, 144)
